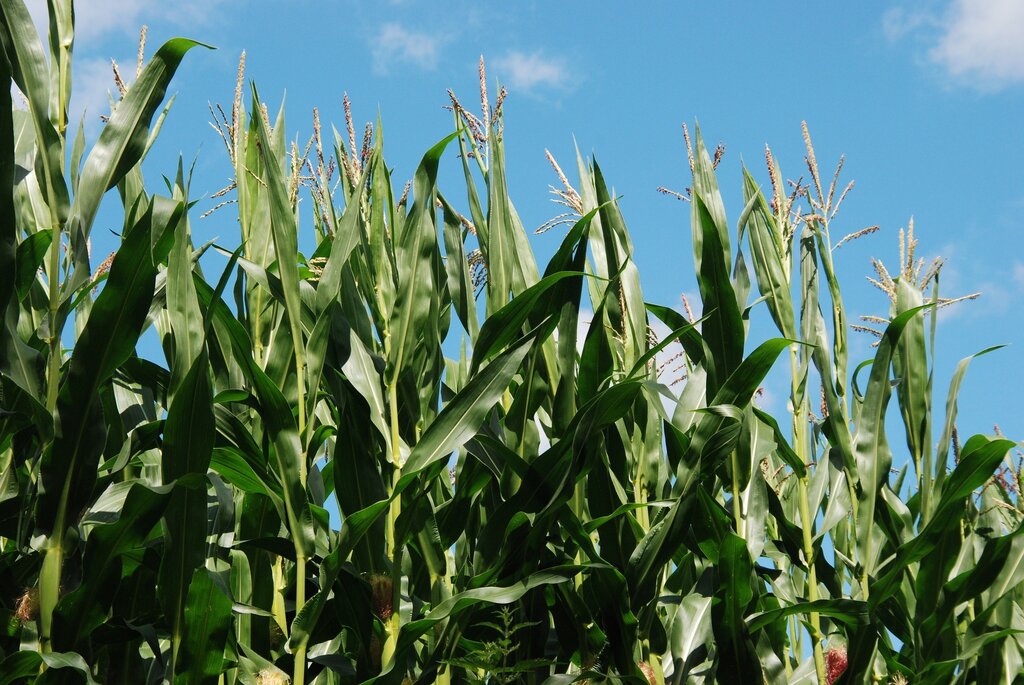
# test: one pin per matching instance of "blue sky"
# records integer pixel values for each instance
(925, 99)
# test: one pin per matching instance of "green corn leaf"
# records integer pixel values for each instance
(846, 611)
(1002, 558)
(871, 447)
(415, 246)
(690, 632)
(121, 143)
(30, 73)
(284, 231)
(467, 411)
(506, 325)
(705, 187)
(316, 354)
(61, 40)
(8, 227)
(999, 568)
(692, 342)
(467, 600)
(979, 459)
(117, 318)
(723, 331)
(737, 659)
(345, 239)
(288, 457)
(360, 369)
(655, 548)
(910, 368)
(738, 390)
(57, 661)
(207, 624)
(85, 609)
(188, 445)
(499, 243)
(785, 452)
(29, 258)
(633, 320)
(942, 452)
(19, 666)
(688, 331)
(20, 362)
(232, 466)
(182, 306)
(768, 256)
(77, 151)
(460, 281)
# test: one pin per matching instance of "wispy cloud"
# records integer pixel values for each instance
(96, 19)
(90, 94)
(1018, 275)
(394, 44)
(898, 22)
(527, 72)
(109, 29)
(975, 42)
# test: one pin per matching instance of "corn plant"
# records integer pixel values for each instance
(524, 494)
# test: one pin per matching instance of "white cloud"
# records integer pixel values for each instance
(529, 71)
(976, 42)
(394, 44)
(983, 40)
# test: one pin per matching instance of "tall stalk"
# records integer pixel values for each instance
(800, 445)
(393, 547)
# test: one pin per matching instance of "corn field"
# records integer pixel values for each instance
(525, 495)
